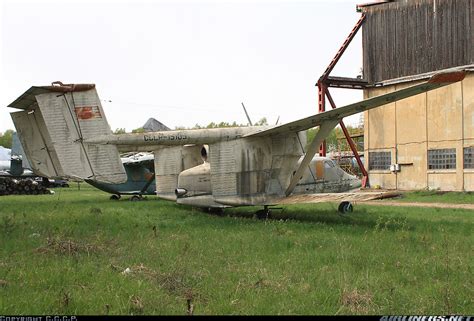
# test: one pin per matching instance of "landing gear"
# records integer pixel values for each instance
(264, 214)
(136, 198)
(345, 207)
(115, 197)
(219, 211)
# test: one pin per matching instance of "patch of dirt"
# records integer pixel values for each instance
(66, 247)
(356, 301)
(136, 305)
(173, 282)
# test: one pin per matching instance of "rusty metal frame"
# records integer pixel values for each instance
(325, 82)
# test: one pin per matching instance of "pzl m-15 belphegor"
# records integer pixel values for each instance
(65, 133)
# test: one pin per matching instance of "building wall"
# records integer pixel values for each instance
(410, 37)
(442, 118)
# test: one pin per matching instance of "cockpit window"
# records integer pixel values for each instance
(329, 164)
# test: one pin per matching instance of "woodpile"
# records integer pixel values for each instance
(12, 186)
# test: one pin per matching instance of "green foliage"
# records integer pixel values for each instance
(119, 131)
(336, 139)
(222, 124)
(138, 130)
(261, 122)
(68, 253)
(6, 138)
(122, 130)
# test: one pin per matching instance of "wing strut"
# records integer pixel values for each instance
(322, 133)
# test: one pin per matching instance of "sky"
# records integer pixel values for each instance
(181, 62)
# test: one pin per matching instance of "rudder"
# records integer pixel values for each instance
(55, 122)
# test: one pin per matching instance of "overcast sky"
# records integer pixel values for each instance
(181, 62)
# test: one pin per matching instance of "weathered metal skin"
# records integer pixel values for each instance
(256, 171)
(175, 137)
(68, 135)
(169, 163)
(325, 176)
(252, 170)
(321, 176)
(196, 187)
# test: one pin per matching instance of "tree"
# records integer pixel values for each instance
(119, 131)
(138, 130)
(262, 122)
(223, 124)
(6, 138)
(335, 138)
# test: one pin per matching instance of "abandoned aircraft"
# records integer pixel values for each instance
(65, 133)
(140, 178)
(139, 168)
(15, 163)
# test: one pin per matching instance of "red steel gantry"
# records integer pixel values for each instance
(325, 81)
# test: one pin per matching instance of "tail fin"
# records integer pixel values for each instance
(52, 127)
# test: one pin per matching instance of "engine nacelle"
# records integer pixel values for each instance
(194, 187)
(170, 162)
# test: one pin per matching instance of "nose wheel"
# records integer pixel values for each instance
(345, 207)
(264, 214)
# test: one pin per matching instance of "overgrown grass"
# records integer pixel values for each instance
(76, 252)
(439, 197)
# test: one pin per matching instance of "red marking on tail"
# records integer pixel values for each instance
(87, 112)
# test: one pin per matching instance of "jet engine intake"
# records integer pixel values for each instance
(180, 192)
(204, 152)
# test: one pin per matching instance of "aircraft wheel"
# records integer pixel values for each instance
(263, 214)
(115, 197)
(136, 198)
(345, 207)
(214, 211)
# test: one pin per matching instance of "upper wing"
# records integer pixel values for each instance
(436, 81)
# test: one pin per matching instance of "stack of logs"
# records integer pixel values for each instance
(12, 186)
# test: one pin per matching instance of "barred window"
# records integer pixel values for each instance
(380, 160)
(442, 158)
(469, 157)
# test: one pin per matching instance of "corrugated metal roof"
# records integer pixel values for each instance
(373, 3)
(418, 77)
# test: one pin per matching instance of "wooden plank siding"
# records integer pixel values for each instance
(405, 38)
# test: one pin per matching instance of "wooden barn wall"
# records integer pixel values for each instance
(409, 37)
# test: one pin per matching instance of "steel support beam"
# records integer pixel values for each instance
(351, 143)
(324, 83)
(323, 131)
(322, 88)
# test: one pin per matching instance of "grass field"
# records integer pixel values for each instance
(439, 197)
(76, 252)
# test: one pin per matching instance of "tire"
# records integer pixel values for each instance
(135, 198)
(115, 197)
(263, 214)
(345, 207)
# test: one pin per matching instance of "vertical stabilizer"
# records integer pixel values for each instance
(55, 122)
